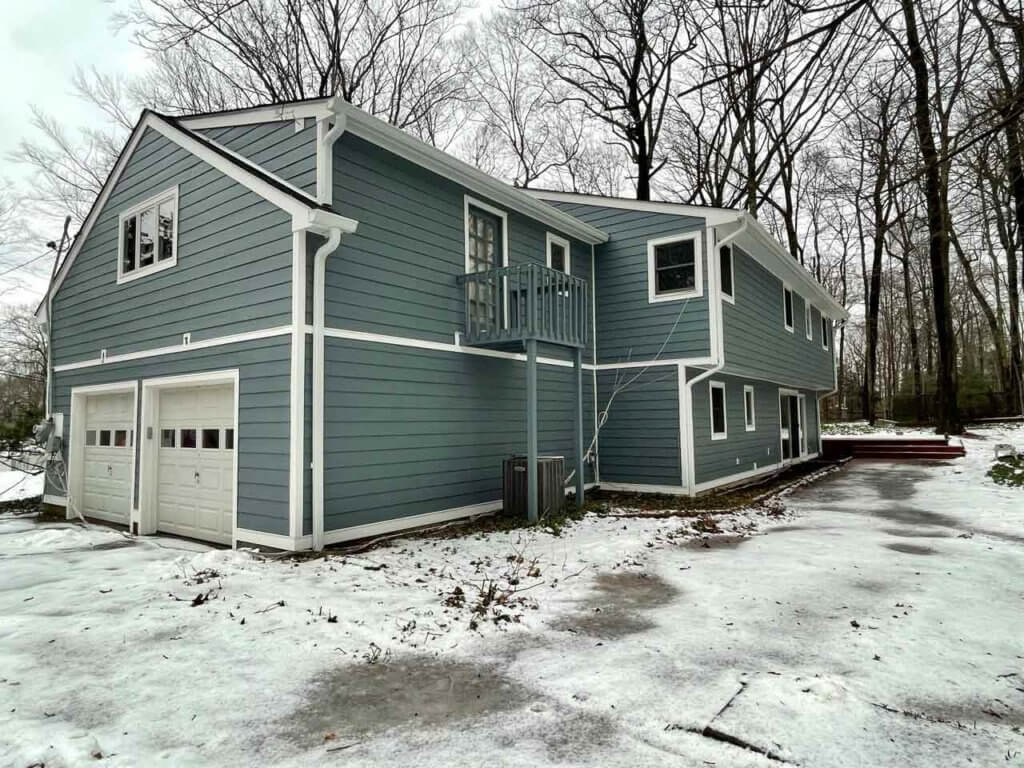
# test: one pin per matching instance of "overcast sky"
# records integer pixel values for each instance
(41, 43)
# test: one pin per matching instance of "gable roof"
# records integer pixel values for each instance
(272, 188)
(384, 135)
(773, 256)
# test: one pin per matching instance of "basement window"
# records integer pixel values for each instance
(148, 237)
(719, 427)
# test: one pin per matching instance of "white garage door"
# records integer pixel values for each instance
(195, 463)
(107, 467)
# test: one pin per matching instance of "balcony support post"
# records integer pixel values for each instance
(531, 430)
(578, 425)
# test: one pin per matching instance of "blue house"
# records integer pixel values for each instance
(296, 325)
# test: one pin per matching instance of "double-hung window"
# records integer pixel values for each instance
(719, 427)
(674, 267)
(808, 328)
(558, 253)
(787, 308)
(148, 236)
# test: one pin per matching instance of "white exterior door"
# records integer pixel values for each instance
(107, 457)
(195, 441)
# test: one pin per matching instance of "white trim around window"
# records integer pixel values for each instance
(824, 332)
(808, 318)
(724, 432)
(553, 239)
(153, 203)
(653, 296)
(468, 201)
(788, 310)
(749, 408)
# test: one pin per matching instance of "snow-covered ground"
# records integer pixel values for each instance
(881, 429)
(19, 485)
(882, 624)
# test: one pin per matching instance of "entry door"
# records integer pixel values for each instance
(791, 426)
(195, 463)
(107, 466)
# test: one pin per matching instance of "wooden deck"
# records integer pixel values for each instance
(936, 448)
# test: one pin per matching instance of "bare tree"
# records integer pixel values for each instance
(617, 59)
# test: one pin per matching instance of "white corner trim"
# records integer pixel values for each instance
(550, 238)
(297, 381)
(751, 425)
(653, 296)
(157, 266)
(219, 341)
(712, 386)
(685, 441)
(57, 501)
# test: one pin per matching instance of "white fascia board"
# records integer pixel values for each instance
(321, 222)
(400, 143)
(713, 216)
(779, 262)
(270, 114)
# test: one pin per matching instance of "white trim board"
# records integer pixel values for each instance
(673, 490)
(765, 470)
(236, 338)
(712, 215)
(57, 501)
(274, 113)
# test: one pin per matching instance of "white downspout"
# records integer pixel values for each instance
(319, 270)
(714, 295)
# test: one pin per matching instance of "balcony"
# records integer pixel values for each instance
(509, 306)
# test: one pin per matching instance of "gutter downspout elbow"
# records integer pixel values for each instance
(719, 356)
(319, 279)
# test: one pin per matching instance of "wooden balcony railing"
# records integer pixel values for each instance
(525, 301)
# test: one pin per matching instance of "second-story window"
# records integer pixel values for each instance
(148, 235)
(787, 308)
(725, 269)
(558, 253)
(824, 332)
(674, 267)
(808, 328)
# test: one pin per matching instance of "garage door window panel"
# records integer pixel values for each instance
(188, 438)
(211, 439)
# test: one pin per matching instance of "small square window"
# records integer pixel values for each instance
(675, 267)
(167, 438)
(725, 269)
(104, 437)
(121, 438)
(211, 438)
(229, 439)
(90, 437)
(188, 438)
(719, 427)
(787, 308)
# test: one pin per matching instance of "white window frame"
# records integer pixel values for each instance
(157, 266)
(730, 297)
(808, 318)
(712, 386)
(653, 297)
(824, 332)
(787, 291)
(751, 422)
(553, 239)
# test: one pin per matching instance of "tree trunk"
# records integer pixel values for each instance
(947, 412)
(915, 351)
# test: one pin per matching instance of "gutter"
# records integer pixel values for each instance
(333, 226)
(714, 292)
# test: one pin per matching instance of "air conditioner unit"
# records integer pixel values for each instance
(550, 485)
